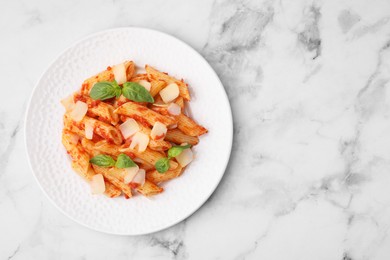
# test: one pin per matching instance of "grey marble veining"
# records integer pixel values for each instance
(308, 83)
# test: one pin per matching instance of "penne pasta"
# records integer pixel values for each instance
(89, 147)
(146, 166)
(149, 189)
(75, 150)
(154, 74)
(178, 137)
(156, 177)
(189, 127)
(104, 130)
(106, 75)
(103, 147)
(139, 77)
(148, 156)
(157, 86)
(120, 101)
(111, 190)
(72, 127)
(180, 102)
(115, 176)
(159, 145)
(96, 108)
(143, 114)
(162, 110)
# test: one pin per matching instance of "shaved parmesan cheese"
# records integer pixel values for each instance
(185, 157)
(158, 131)
(79, 111)
(89, 126)
(169, 93)
(120, 73)
(97, 184)
(68, 103)
(130, 174)
(140, 139)
(174, 109)
(145, 84)
(74, 139)
(129, 128)
(140, 177)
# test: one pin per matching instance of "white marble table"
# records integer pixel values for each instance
(308, 82)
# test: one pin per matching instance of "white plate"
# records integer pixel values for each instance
(51, 165)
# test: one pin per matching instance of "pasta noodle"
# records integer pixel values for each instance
(154, 74)
(143, 114)
(115, 176)
(189, 127)
(157, 86)
(178, 137)
(96, 108)
(149, 189)
(157, 177)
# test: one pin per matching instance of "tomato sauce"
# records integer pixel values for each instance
(95, 103)
(140, 119)
(105, 119)
(158, 137)
(110, 101)
(134, 185)
(102, 133)
(84, 87)
(79, 97)
(130, 154)
(121, 102)
(96, 138)
(142, 109)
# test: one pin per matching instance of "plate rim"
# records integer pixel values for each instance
(224, 163)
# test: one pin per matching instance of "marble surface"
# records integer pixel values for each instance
(308, 83)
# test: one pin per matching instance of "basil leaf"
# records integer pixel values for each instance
(124, 161)
(136, 92)
(177, 150)
(105, 90)
(103, 160)
(162, 165)
(118, 90)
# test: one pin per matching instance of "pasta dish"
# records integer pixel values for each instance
(127, 132)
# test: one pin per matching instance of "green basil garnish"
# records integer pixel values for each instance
(103, 160)
(124, 161)
(131, 90)
(177, 150)
(105, 90)
(136, 92)
(162, 165)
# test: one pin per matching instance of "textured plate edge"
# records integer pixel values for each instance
(225, 99)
